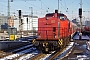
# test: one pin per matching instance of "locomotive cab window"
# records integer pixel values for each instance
(49, 16)
(62, 18)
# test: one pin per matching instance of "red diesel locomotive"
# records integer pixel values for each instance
(54, 32)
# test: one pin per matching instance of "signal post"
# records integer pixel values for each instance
(80, 16)
(20, 23)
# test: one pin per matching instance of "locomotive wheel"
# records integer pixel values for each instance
(45, 50)
(68, 38)
(65, 42)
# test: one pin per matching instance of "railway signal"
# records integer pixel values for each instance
(19, 13)
(27, 20)
(20, 23)
(27, 25)
(80, 12)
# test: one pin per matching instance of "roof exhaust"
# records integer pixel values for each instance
(56, 11)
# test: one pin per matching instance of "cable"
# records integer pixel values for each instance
(36, 7)
(72, 2)
(3, 8)
(44, 4)
(2, 1)
(87, 2)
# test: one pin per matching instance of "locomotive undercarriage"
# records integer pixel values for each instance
(52, 45)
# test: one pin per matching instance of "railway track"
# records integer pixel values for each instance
(25, 52)
(29, 52)
(61, 53)
(54, 55)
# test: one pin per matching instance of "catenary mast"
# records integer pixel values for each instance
(80, 16)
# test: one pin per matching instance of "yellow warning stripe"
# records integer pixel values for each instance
(60, 42)
(33, 41)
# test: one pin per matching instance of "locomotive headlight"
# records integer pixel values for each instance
(39, 36)
(47, 18)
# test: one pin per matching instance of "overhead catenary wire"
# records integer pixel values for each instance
(40, 8)
(3, 8)
(26, 7)
(87, 2)
(35, 6)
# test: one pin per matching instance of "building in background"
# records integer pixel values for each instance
(31, 24)
(14, 22)
(3, 22)
(11, 22)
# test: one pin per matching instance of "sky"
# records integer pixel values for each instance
(41, 7)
